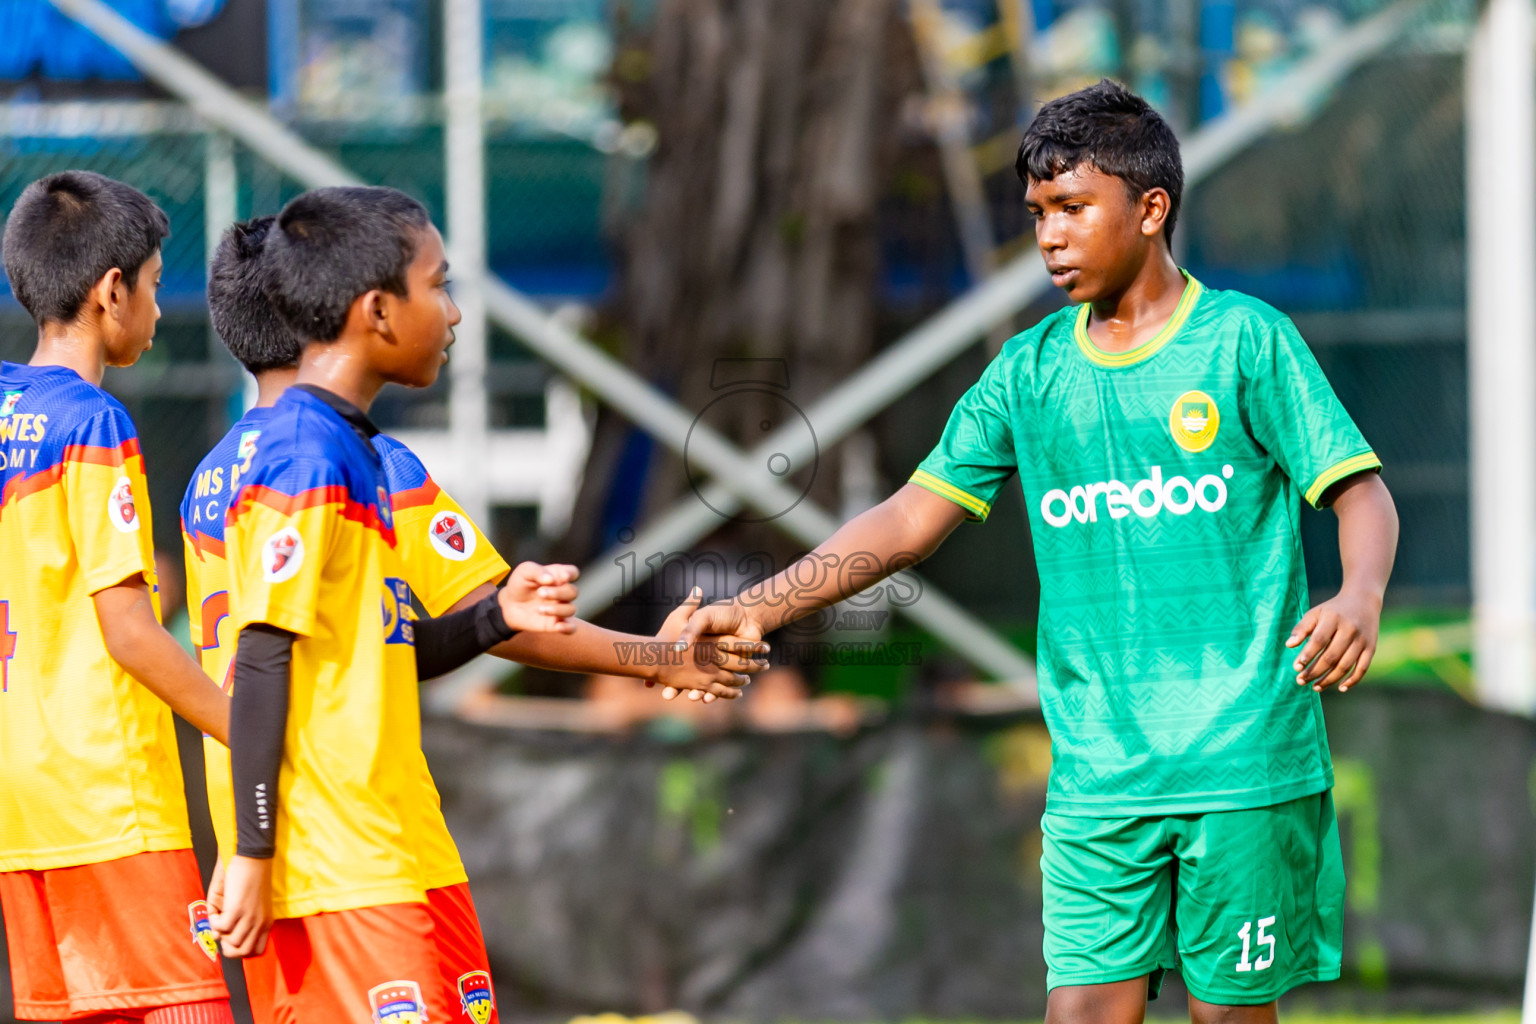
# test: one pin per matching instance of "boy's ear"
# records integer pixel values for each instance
(109, 292)
(1155, 204)
(375, 310)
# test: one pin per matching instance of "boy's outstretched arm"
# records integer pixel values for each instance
(535, 598)
(1340, 635)
(896, 534)
(136, 640)
(717, 672)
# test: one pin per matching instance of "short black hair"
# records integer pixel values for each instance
(1112, 129)
(237, 301)
(67, 231)
(333, 244)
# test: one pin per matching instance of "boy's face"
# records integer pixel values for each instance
(1093, 234)
(422, 320)
(130, 329)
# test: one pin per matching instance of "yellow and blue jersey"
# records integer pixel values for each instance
(439, 573)
(309, 539)
(88, 763)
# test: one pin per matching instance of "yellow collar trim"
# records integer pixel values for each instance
(1148, 348)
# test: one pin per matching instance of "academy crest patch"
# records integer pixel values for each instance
(247, 449)
(452, 535)
(397, 1002)
(121, 510)
(282, 555)
(8, 403)
(1194, 420)
(202, 929)
(476, 997)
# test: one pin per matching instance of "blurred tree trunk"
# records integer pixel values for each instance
(777, 122)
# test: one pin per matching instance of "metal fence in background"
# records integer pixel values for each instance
(1355, 225)
(187, 390)
(1352, 221)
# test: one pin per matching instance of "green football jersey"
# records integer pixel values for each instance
(1164, 489)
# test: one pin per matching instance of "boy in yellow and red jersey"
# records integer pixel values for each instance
(447, 563)
(100, 890)
(370, 954)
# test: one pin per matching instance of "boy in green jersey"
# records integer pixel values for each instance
(1165, 435)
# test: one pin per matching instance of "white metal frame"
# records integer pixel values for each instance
(1501, 352)
(1501, 365)
(468, 414)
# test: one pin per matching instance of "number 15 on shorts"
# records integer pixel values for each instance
(1263, 940)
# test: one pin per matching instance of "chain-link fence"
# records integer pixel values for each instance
(546, 196)
(1352, 221)
(1355, 225)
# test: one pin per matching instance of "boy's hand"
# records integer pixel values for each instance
(540, 598)
(247, 918)
(716, 666)
(215, 898)
(1340, 638)
(723, 618)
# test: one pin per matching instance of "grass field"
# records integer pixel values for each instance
(1499, 1017)
(1492, 1017)
(1362, 1017)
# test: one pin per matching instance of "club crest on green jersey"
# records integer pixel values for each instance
(1194, 420)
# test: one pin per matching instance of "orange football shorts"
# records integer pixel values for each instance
(391, 961)
(465, 968)
(371, 964)
(126, 934)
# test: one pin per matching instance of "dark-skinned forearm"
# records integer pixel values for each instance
(1367, 535)
(587, 649)
(896, 534)
(136, 641)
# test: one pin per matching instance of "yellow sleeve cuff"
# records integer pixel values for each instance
(1338, 471)
(975, 508)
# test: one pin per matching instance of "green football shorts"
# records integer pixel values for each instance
(1248, 904)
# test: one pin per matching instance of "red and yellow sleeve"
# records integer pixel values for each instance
(444, 555)
(276, 540)
(108, 502)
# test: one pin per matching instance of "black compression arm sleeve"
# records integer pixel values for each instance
(448, 641)
(258, 722)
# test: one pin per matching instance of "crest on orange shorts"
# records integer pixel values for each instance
(397, 1002)
(476, 996)
(202, 929)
